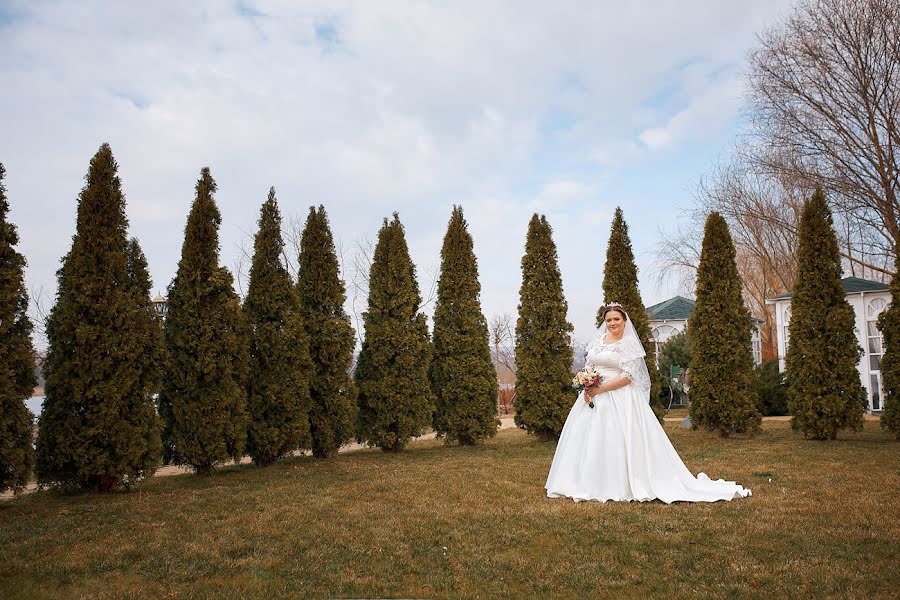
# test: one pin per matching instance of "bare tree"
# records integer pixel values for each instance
(824, 94)
(39, 313)
(824, 103)
(503, 341)
(763, 217)
(243, 262)
(293, 233)
(358, 286)
(503, 351)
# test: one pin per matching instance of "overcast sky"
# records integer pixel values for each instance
(506, 108)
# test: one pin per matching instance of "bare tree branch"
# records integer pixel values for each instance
(825, 94)
(39, 313)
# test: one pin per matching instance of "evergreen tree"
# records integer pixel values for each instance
(151, 359)
(462, 375)
(99, 427)
(722, 383)
(825, 394)
(17, 366)
(395, 398)
(620, 284)
(278, 391)
(332, 416)
(543, 338)
(889, 325)
(770, 388)
(204, 394)
(155, 355)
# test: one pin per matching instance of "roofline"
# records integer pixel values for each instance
(859, 293)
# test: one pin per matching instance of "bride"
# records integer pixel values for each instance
(617, 450)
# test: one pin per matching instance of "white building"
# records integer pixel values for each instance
(160, 306)
(670, 318)
(868, 299)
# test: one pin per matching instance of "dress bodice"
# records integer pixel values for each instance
(614, 358)
(606, 358)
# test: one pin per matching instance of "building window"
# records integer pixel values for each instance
(874, 350)
(786, 320)
(757, 345)
(660, 336)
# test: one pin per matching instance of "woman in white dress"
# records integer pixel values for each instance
(617, 450)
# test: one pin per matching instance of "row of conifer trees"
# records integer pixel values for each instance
(219, 378)
(825, 394)
(273, 375)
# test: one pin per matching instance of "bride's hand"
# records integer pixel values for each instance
(588, 395)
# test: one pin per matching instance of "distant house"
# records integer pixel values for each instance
(39, 358)
(868, 299)
(160, 306)
(669, 318)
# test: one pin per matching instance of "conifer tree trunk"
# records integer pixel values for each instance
(204, 395)
(462, 375)
(620, 284)
(17, 352)
(99, 427)
(395, 398)
(825, 394)
(543, 338)
(278, 391)
(722, 392)
(889, 325)
(332, 417)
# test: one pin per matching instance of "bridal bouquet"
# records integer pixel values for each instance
(585, 378)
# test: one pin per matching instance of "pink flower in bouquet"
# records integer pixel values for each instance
(585, 378)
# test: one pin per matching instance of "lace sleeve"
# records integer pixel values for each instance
(634, 365)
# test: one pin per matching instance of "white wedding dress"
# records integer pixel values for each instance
(618, 450)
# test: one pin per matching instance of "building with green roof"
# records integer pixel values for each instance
(868, 299)
(669, 318)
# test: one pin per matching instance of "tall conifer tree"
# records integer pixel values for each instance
(543, 338)
(889, 325)
(204, 395)
(462, 375)
(332, 416)
(17, 365)
(825, 394)
(722, 384)
(99, 427)
(151, 360)
(278, 390)
(395, 398)
(620, 284)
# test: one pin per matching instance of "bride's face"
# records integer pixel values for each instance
(615, 322)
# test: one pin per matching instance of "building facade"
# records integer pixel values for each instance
(868, 299)
(670, 318)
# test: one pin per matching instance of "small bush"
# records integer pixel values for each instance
(769, 386)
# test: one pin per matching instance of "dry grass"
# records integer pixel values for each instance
(473, 522)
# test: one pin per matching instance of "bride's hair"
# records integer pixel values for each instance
(616, 307)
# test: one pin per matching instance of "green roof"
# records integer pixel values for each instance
(673, 309)
(852, 285)
(678, 308)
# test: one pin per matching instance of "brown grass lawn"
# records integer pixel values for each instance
(473, 522)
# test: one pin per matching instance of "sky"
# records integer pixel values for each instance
(568, 109)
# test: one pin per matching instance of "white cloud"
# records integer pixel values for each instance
(367, 108)
(711, 109)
